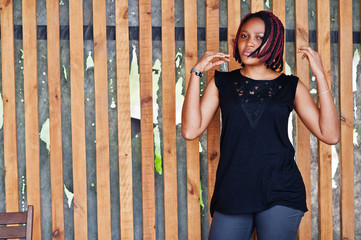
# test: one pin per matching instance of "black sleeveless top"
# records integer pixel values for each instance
(256, 168)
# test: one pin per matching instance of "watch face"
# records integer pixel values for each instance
(197, 73)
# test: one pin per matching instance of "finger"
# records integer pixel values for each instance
(219, 62)
(305, 52)
(308, 50)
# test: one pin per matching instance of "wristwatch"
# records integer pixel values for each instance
(197, 72)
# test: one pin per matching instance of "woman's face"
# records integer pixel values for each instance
(250, 38)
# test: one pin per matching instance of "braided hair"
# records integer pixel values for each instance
(273, 41)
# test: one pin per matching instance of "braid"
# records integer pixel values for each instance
(272, 43)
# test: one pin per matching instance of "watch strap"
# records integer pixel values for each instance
(197, 72)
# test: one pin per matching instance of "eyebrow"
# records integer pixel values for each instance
(255, 32)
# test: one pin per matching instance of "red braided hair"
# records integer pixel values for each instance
(273, 41)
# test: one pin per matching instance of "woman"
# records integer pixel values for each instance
(258, 184)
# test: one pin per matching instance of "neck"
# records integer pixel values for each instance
(258, 72)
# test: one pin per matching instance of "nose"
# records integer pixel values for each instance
(250, 42)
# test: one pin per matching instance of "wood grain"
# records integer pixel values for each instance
(169, 121)
(303, 154)
(279, 10)
(234, 20)
(101, 119)
(31, 112)
(193, 168)
(9, 109)
(213, 131)
(146, 123)
(325, 225)
(56, 148)
(256, 5)
(78, 119)
(346, 112)
(124, 126)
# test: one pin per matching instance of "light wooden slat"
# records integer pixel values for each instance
(169, 121)
(56, 154)
(101, 119)
(31, 112)
(256, 5)
(193, 168)
(78, 119)
(124, 126)
(324, 151)
(279, 9)
(303, 154)
(346, 111)
(146, 99)
(234, 19)
(9, 109)
(213, 131)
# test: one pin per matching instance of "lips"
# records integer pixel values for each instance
(247, 52)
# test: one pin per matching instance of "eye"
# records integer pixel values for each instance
(260, 38)
(243, 36)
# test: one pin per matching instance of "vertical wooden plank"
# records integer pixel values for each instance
(31, 112)
(346, 111)
(9, 109)
(146, 123)
(169, 121)
(324, 151)
(56, 154)
(193, 168)
(256, 5)
(124, 126)
(234, 19)
(78, 119)
(279, 9)
(101, 119)
(303, 154)
(213, 132)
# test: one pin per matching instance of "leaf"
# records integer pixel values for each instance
(200, 196)
(158, 164)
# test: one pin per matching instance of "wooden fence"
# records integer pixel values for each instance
(82, 211)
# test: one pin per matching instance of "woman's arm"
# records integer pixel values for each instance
(196, 113)
(321, 120)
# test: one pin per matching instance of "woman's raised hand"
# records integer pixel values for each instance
(211, 59)
(314, 59)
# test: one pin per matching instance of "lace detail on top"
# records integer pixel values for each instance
(255, 96)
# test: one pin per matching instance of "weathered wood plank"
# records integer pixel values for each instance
(279, 9)
(193, 168)
(78, 119)
(56, 148)
(31, 112)
(124, 126)
(213, 131)
(4, 3)
(169, 121)
(101, 119)
(146, 98)
(325, 225)
(256, 5)
(9, 108)
(303, 154)
(346, 112)
(234, 19)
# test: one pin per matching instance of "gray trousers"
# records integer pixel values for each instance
(278, 222)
